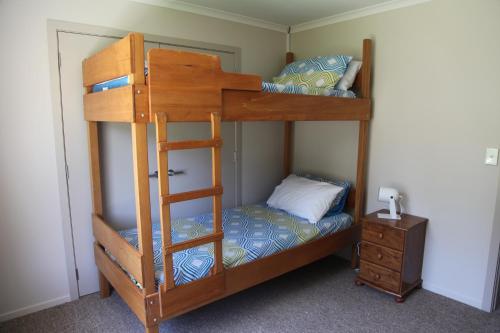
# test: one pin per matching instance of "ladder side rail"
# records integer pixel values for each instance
(164, 190)
(215, 120)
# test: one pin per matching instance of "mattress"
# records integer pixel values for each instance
(266, 86)
(250, 232)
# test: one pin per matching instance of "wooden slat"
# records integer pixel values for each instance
(163, 190)
(110, 63)
(217, 199)
(127, 255)
(142, 204)
(256, 106)
(110, 105)
(189, 144)
(195, 242)
(192, 195)
(288, 148)
(120, 281)
(361, 170)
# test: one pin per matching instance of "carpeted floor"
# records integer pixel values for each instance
(318, 298)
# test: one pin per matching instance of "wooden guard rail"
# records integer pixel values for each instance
(120, 249)
(124, 104)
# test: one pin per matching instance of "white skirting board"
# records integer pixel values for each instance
(34, 308)
(477, 303)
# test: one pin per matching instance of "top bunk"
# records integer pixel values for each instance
(190, 86)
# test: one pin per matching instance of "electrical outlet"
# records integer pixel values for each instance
(491, 156)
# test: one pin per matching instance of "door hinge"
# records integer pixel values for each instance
(77, 275)
(235, 156)
(59, 59)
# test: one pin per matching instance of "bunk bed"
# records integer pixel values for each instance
(190, 87)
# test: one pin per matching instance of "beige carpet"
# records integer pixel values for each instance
(317, 298)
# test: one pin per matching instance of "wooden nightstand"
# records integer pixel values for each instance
(391, 254)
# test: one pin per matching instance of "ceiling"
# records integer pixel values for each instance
(286, 12)
(281, 14)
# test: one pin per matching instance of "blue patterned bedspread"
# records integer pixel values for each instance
(266, 86)
(302, 90)
(250, 232)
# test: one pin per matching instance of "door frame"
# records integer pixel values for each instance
(54, 27)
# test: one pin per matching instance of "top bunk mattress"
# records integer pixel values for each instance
(250, 232)
(266, 86)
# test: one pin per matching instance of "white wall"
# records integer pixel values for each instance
(436, 109)
(32, 258)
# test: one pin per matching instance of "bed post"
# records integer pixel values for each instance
(288, 136)
(363, 133)
(364, 85)
(95, 175)
(141, 176)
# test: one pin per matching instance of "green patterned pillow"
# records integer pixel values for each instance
(311, 79)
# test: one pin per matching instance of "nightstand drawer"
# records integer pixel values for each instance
(380, 276)
(382, 256)
(383, 235)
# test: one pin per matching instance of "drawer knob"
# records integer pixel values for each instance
(380, 256)
(377, 276)
(380, 235)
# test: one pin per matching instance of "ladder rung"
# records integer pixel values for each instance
(192, 195)
(190, 144)
(194, 242)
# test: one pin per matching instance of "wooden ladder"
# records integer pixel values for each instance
(166, 199)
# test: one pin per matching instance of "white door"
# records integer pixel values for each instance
(116, 159)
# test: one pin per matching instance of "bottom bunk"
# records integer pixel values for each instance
(250, 232)
(260, 243)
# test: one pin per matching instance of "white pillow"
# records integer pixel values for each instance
(306, 198)
(349, 77)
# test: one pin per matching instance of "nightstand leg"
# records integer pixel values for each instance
(419, 286)
(399, 299)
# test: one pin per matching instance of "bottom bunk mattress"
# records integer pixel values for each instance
(250, 232)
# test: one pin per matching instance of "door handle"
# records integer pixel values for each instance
(171, 173)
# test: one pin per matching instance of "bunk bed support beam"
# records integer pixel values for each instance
(143, 215)
(142, 203)
(95, 175)
(364, 86)
(288, 132)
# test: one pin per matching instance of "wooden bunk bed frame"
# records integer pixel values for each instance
(183, 86)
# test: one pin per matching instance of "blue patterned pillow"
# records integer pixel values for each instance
(336, 63)
(339, 203)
